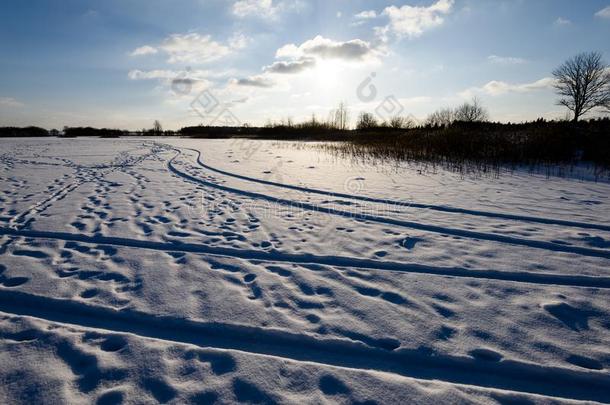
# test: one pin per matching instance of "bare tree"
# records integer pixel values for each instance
(398, 122)
(441, 118)
(157, 128)
(366, 121)
(341, 117)
(471, 112)
(583, 81)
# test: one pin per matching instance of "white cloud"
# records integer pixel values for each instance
(505, 60)
(290, 67)
(265, 9)
(287, 51)
(144, 50)
(603, 13)
(253, 81)
(194, 48)
(365, 15)
(10, 102)
(497, 87)
(151, 74)
(259, 8)
(560, 21)
(412, 21)
(303, 57)
(324, 48)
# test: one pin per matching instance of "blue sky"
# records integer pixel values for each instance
(125, 63)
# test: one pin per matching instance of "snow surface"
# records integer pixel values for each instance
(176, 270)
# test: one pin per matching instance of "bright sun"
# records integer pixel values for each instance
(327, 74)
(326, 80)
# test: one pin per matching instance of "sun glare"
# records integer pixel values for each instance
(327, 79)
(327, 74)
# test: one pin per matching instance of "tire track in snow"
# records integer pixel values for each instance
(440, 208)
(537, 244)
(337, 261)
(507, 375)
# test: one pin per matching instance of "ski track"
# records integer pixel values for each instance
(408, 204)
(537, 244)
(503, 375)
(338, 261)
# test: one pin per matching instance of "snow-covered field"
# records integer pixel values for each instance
(175, 270)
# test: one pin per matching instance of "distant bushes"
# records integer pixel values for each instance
(466, 112)
(490, 143)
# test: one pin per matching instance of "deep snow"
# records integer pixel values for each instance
(176, 270)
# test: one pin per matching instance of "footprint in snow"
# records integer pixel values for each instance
(90, 293)
(486, 355)
(409, 243)
(585, 362)
(14, 281)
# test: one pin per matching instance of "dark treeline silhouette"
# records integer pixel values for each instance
(452, 140)
(88, 131)
(23, 132)
(75, 132)
(215, 132)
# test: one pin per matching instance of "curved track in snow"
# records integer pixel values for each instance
(531, 243)
(410, 204)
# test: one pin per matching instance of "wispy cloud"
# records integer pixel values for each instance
(193, 48)
(497, 87)
(258, 8)
(239, 41)
(10, 102)
(603, 13)
(178, 84)
(144, 50)
(413, 21)
(152, 74)
(264, 9)
(505, 60)
(365, 15)
(560, 21)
